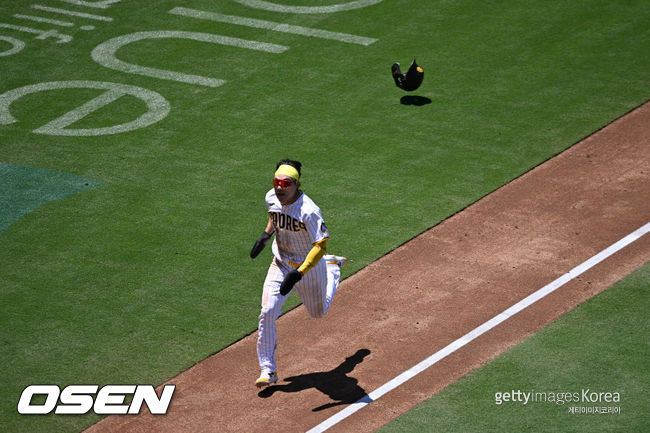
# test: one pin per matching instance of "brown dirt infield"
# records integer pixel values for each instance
(432, 290)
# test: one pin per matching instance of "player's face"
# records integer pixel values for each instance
(286, 189)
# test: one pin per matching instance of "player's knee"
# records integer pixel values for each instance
(264, 314)
(268, 313)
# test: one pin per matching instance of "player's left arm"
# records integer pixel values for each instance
(315, 225)
(315, 254)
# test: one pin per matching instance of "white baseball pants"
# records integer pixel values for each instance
(316, 289)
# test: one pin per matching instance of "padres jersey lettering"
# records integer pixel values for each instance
(286, 222)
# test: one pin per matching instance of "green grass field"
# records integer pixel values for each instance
(145, 271)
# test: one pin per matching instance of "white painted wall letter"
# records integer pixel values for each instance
(17, 47)
(105, 4)
(104, 54)
(158, 107)
(270, 6)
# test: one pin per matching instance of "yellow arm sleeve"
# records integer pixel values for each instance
(317, 252)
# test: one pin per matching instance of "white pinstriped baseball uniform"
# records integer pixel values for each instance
(297, 227)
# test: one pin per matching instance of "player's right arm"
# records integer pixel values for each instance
(269, 226)
(264, 238)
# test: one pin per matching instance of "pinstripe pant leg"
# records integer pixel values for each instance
(333, 280)
(317, 288)
(272, 302)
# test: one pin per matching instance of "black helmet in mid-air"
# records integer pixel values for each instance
(409, 81)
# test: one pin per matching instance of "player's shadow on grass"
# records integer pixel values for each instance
(414, 100)
(336, 383)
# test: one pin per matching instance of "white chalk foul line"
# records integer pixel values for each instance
(480, 330)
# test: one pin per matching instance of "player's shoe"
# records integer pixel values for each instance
(266, 378)
(336, 260)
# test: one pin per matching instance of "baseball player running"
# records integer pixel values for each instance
(299, 261)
